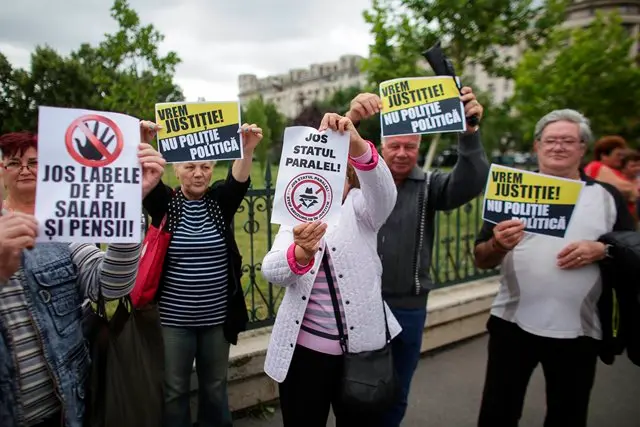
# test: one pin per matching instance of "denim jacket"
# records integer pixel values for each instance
(50, 281)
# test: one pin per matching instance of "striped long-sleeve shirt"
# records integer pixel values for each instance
(114, 271)
(319, 330)
(196, 279)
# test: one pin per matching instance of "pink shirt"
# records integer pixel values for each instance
(319, 330)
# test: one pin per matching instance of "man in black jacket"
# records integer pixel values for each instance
(405, 242)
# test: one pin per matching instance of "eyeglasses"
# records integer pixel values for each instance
(14, 165)
(564, 143)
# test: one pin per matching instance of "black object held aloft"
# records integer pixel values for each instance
(443, 66)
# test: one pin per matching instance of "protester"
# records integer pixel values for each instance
(630, 169)
(304, 355)
(606, 166)
(44, 359)
(200, 296)
(406, 240)
(546, 310)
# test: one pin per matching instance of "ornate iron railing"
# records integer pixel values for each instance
(452, 261)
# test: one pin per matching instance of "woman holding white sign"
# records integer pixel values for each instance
(44, 360)
(200, 297)
(325, 267)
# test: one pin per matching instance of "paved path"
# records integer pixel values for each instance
(448, 384)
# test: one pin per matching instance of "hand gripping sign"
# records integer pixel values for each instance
(89, 179)
(544, 203)
(311, 176)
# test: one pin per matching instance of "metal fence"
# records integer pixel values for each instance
(452, 262)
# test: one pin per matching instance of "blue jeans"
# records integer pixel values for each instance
(406, 355)
(210, 350)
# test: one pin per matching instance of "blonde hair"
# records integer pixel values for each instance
(352, 177)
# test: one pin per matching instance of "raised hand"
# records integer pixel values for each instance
(88, 150)
(18, 231)
(338, 123)
(364, 106)
(152, 167)
(251, 137)
(307, 238)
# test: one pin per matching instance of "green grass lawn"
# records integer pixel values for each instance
(452, 256)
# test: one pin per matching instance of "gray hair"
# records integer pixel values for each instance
(568, 115)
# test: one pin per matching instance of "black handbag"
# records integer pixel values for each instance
(369, 380)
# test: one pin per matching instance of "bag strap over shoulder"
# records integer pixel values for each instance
(336, 307)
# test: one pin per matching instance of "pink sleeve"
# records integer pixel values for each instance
(294, 265)
(368, 160)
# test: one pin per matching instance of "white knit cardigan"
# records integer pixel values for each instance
(352, 243)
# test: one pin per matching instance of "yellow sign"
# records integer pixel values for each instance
(199, 131)
(544, 202)
(421, 105)
(399, 94)
(182, 118)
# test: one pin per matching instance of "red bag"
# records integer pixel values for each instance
(154, 249)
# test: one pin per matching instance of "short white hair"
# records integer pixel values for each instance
(568, 115)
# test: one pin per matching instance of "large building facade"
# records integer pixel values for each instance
(292, 91)
(579, 14)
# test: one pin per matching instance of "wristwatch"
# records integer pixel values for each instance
(608, 251)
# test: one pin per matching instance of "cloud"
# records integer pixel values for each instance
(217, 40)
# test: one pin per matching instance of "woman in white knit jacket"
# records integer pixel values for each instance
(304, 355)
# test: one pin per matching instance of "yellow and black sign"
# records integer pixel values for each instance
(545, 203)
(421, 105)
(199, 131)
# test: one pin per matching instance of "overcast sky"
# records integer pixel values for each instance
(216, 39)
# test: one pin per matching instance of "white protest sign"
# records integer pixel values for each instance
(311, 177)
(89, 179)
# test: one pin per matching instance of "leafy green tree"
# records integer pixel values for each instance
(123, 73)
(127, 69)
(276, 122)
(256, 112)
(587, 69)
(469, 31)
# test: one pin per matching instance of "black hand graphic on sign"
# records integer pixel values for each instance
(88, 150)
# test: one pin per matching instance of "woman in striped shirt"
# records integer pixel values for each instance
(305, 355)
(202, 307)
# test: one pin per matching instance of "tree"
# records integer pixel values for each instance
(394, 52)
(276, 122)
(256, 113)
(127, 69)
(587, 69)
(470, 31)
(123, 73)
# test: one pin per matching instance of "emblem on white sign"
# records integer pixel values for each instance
(311, 176)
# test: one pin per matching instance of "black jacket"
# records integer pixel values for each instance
(619, 305)
(228, 194)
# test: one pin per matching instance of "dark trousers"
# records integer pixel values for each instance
(312, 387)
(569, 367)
(406, 355)
(210, 350)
